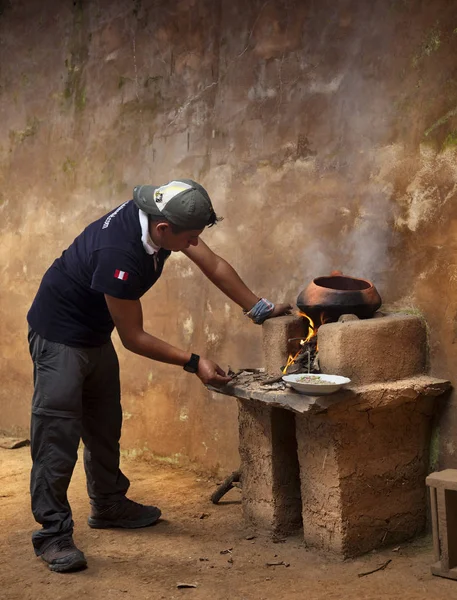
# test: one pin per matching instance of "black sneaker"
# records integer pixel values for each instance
(125, 513)
(63, 556)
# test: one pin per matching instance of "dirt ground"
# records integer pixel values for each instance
(195, 542)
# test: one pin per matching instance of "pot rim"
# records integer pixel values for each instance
(370, 285)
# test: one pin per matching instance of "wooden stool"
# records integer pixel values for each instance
(443, 500)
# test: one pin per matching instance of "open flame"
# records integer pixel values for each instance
(324, 319)
(312, 331)
(292, 359)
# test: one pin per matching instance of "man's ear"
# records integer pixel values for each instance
(162, 227)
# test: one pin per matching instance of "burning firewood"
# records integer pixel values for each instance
(306, 360)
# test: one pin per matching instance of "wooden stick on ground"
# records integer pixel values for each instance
(381, 568)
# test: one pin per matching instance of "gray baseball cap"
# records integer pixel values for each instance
(183, 202)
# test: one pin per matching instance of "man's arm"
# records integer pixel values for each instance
(128, 318)
(224, 276)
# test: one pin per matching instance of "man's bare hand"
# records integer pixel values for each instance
(210, 373)
(279, 310)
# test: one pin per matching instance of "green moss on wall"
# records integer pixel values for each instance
(434, 448)
(451, 140)
(69, 165)
(174, 459)
(121, 81)
(132, 108)
(400, 5)
(74, 84)
(152, 80)
(408, 310)
(30, 130)
(80, 99)
(429, 45)
(441, 121)
(74, 89)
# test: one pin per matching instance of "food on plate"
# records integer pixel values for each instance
(314, 379)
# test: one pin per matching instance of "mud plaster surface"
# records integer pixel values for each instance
(148, 563)
(346, 107)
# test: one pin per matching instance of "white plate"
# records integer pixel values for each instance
(332, 383)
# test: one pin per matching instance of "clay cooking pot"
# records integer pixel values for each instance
(336, 295)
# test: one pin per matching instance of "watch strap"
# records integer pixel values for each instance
(192, 365)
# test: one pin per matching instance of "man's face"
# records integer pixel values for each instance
(164, 237)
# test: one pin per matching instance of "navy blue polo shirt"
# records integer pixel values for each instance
(108, 257)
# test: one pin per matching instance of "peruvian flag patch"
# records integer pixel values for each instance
(122, 275)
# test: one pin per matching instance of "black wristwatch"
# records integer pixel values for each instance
(192, 365)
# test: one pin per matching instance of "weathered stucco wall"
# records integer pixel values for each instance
(325, 132)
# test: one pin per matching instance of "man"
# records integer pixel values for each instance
(94, 286)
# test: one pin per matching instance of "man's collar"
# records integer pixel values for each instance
(148, 244)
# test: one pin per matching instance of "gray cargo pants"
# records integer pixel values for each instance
(77, 395)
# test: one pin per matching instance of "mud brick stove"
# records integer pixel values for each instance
(348, 468)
